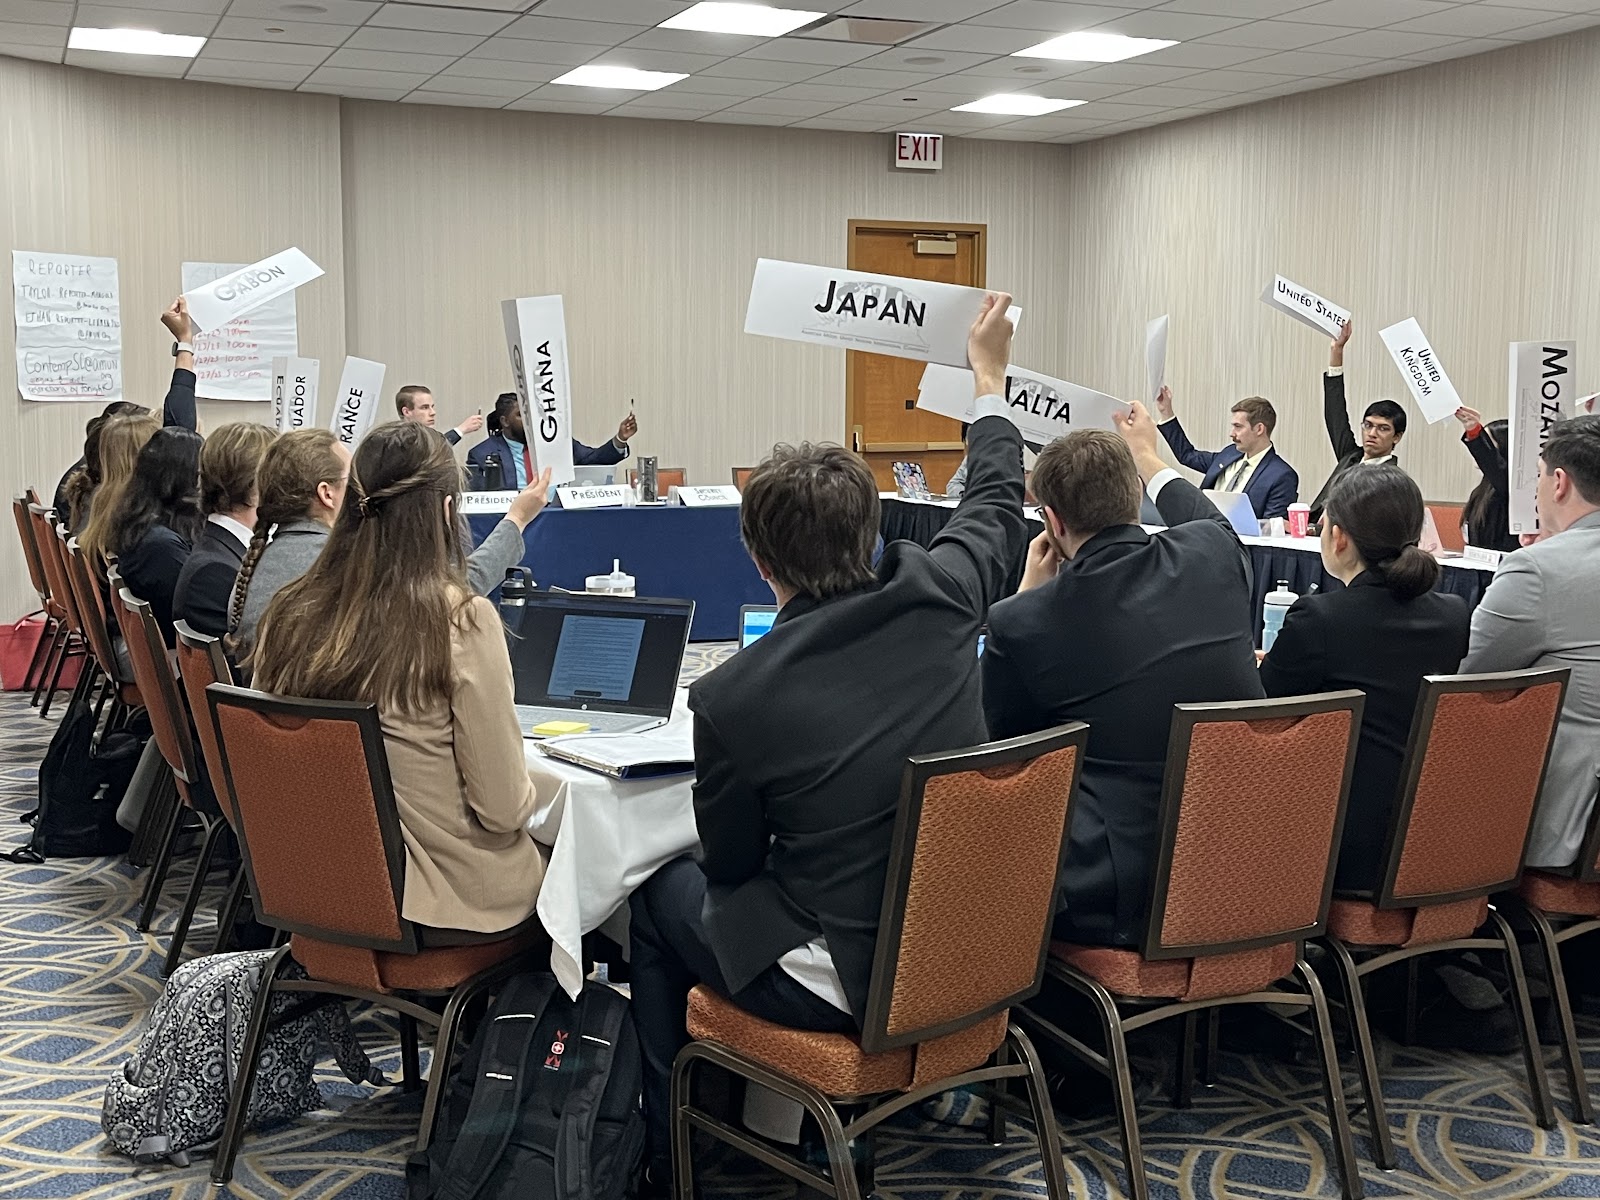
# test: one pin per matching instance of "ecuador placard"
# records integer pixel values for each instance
(294, 392)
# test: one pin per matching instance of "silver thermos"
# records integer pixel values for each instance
(647, 481)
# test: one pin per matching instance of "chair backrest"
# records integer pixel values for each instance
(1252, 806)
(969, 899)
(1447, 520)
(315, 813)
(152, 670)
(666, 477)
(741, 476)
(86, 599)
(1473, 770)
(30, 547)
(202, 662)
(55, 579)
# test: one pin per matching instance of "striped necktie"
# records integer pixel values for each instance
(1233, 482)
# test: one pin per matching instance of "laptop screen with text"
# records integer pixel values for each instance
(603, 652)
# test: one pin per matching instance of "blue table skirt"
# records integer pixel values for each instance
(674, 552)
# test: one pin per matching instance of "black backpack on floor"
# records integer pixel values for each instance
(80, 786)
(545, 1104)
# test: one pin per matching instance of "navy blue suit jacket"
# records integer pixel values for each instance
(1273, 486)
(582, 456)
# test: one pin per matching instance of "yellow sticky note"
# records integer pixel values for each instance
(557, 728)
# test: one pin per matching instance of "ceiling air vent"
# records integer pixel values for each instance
(874, 31)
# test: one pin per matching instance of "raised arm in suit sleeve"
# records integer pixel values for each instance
(1285, 490)
(1183, 449)
(452, 436)
(500, 551)
(1297, 665)
(488, 741)
(1492, 462)
(728, 813)
(1009, 709)
(1336, 415)
(986, 538)
(598, 456)
(1180, 502)
(179, 408)
(1508, 629)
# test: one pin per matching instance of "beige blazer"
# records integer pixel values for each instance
(461, 784)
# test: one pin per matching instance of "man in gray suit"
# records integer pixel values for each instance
(1543, 610)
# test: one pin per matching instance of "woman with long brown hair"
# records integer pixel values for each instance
(386, 616)
(121, 439)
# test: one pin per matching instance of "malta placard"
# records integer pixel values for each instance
(1543, 391)
(1304, 306)
(294, 392)
(360, 396)
(855, 310)
(1042, 408)
(1430, 387)
(69, 326)
(536, 338)
(1155, 357)
(214, 304)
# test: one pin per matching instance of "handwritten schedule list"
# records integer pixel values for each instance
(69, 326)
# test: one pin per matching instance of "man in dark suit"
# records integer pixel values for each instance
(508, 441)
(1382, 425)
(1250, 464)
(802, 738)
(229, 462)
(1114, 626)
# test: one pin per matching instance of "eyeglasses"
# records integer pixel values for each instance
(1376, 427)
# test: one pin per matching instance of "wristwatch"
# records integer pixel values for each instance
(181, 348)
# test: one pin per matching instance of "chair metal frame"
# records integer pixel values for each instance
(69, 641)
(1015, 1059)
(1114, 1062)
(1351, 972)
(41, 586)
(411, 1013)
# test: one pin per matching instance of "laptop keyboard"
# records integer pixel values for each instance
(529, 716)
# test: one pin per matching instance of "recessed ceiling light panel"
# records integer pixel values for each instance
(1093, 47)
(1013, 105)
(753, 20)
(135, 41)
(626, 78)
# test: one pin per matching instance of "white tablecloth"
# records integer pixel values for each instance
(606, 837)
(1311, 545)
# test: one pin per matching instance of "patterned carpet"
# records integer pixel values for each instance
(76, 982)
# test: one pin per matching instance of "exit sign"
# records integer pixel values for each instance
(919, 151)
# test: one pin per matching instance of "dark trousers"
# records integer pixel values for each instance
(671, 954)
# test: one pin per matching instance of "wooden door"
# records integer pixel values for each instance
(882, 421)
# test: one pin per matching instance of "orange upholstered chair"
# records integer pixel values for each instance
(69, 641)
(1244, 873)
(118, 671)
(41, 588)
(169, 721)
(966, 915)
(309, 785)
(741, 476)
(1561, 906)
(1474, 764)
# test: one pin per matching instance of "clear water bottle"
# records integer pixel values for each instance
(1273, 610)
(514, 599)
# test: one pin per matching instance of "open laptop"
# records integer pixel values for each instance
(610, 662)
(754, 621)
(1237, 508)
(594, 476)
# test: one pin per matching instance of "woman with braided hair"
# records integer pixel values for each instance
(386, 616)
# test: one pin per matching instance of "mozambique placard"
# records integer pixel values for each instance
(1543, 391)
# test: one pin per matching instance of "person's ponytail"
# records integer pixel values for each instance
(1380, 509)
(1410, 573)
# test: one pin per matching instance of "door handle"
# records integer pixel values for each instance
(855, 438)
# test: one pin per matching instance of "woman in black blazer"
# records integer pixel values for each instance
(159, 519)
(1381, 633)
(1486, 519)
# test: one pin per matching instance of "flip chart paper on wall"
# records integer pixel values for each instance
(1042, 408)
(234, 361)
(294, 393)
(360, 394)
(1305, 306)
(536, 338)
(1430, 387)
(1155, 357)
(214, 304)
(1543, 383)
(856, 310)
(69, 326)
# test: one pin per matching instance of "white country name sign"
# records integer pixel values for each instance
(1305, 305)
(1543, 383)
(214, 304)
(1430, 387)
(1155, 357)
(475, 504)
(722, 495)
(294, 393)
(536, 339)
(610, 496)
(1042, 408)
(360, 385)
(856, 310)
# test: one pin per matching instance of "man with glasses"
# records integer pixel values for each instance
(1382, 425)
